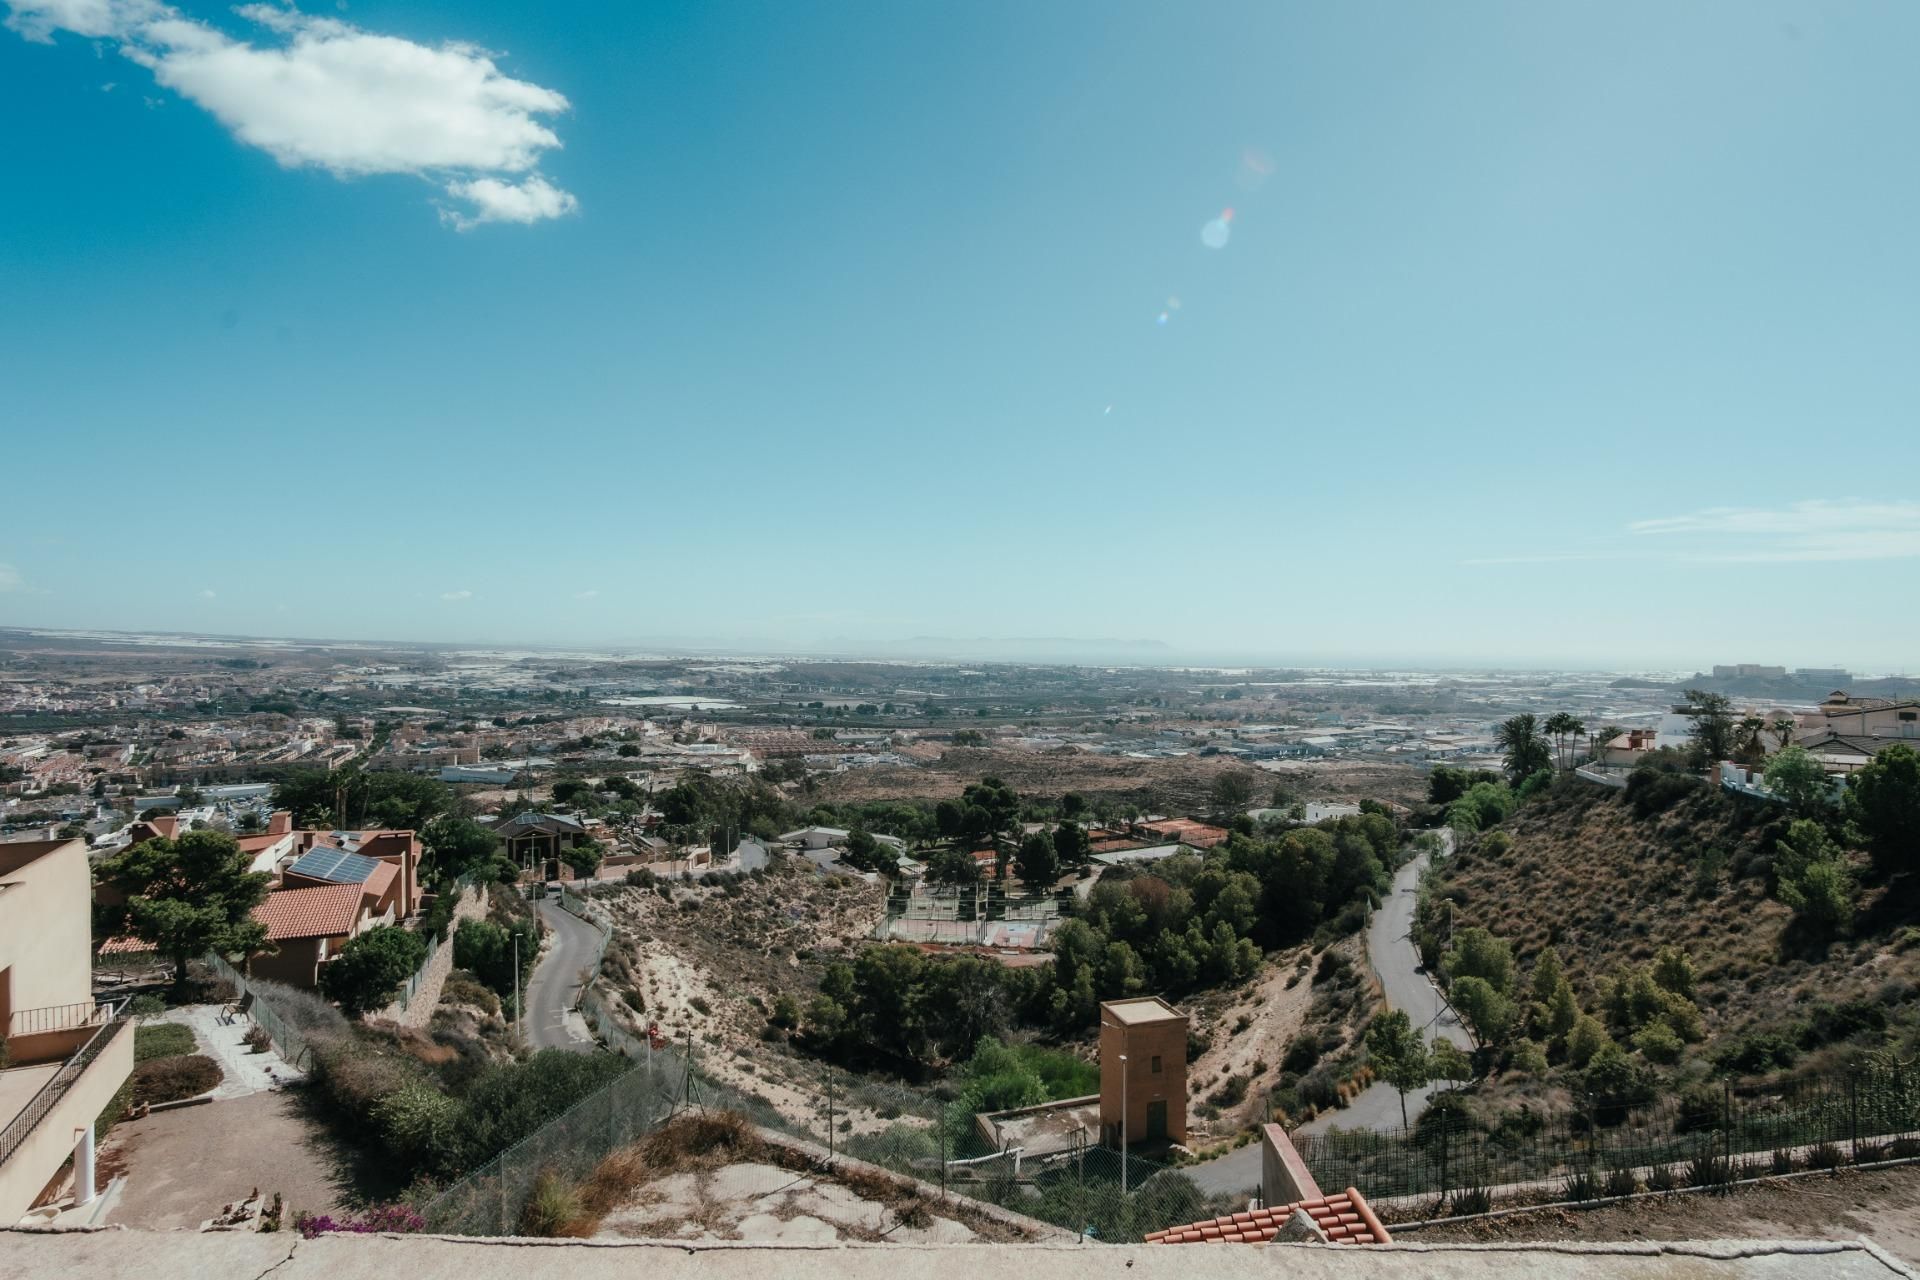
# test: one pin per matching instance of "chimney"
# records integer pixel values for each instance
(280, 823)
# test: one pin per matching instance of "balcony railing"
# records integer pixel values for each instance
(113, 1021)
(57, 1017)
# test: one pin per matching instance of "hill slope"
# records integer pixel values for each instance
(1608, 883)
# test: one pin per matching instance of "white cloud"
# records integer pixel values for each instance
(38, 20)
(206, 593)
(10, 579)
(320, 92)
(456, 595)
(1813, 530)
(497, 201)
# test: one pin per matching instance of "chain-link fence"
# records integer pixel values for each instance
(1822, 1121)
(291, 1044)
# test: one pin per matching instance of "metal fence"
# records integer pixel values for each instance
(1823, 1120)
(291, 1044)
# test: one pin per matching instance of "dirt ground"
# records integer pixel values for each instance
(1881, 1204)
(182, 1166)
(1274, 1012)
(1177, 785)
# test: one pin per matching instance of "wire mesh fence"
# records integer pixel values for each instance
(291, 1044)
(1720, 1131)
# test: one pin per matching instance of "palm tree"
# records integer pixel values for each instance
(1525, 749)
(1784, 728)
(1562, 724)
(1751, 746)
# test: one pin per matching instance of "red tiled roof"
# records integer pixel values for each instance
(1344, 1218)
(325, 912)
(376, 884)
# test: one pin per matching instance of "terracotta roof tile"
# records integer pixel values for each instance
(325, 912)
(1344, 1218)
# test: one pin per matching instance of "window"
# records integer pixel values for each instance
(1156, 1064)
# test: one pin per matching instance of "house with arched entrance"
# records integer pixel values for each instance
(538, 842)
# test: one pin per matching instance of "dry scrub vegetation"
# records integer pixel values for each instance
(1607, 887)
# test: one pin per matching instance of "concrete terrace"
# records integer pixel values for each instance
(113, 1255)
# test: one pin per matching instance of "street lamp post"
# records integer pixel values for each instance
(1124, 1102)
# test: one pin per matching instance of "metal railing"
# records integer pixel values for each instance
(56, 1017)
(1445, 1153)
(22, 1125)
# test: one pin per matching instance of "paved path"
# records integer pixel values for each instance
(554, 988)
(1406, 985)
(1390, 949)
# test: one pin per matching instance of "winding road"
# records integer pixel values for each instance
(554, 988)
(1406, 986)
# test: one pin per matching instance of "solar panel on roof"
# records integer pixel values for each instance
(336, 866)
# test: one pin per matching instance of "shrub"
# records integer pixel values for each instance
(1231, 1093)
(1825, 1156)
(302, 1010)
(1660, 1178)
(1708, 1170)
(390, 1219)
(1782, 1161)
(1580, 1186)
(162, 1040)
(171, 1079)
(1657, 1043)
(1302, 1052)
(145, 1006)
(1621, 1182)
(421, 1126)
(1472, 1201)
(257, 1039)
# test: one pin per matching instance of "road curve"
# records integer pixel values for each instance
(554, 988)
(1406, 987)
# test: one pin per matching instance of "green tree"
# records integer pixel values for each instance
(1487, 1011)
(1479, 954)
(1447, 1061)
(1800, 781)
(1883, 800)
(1713, 727)
(1811, 875)
(1038, 862)
(455, 846)
(1071, 846)
(1526, 752)
(869, 854)
(629, 750)
(953, 866)
(370, 968)
(185, 897)
(1231, 793)
(1398, 1054)
(1587, 1038)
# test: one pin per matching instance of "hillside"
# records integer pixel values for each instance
(1608, 884)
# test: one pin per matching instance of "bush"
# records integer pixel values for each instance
(421, 1126)
(370, 968)
(1303, 1051)
(1621, 1182)
(1660, 1178)
(1657, 1043)
(171, 1079)
(145, 1006)
(162, 1040)
(257, 1039)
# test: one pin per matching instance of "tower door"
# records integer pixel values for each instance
(1156, 1121)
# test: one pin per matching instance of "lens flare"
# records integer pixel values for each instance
(1216, 233)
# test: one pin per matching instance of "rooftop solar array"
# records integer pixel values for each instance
(335, 866)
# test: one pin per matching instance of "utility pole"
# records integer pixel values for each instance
(519, 1002)
(1124, 1100)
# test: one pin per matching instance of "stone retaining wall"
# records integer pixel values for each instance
(417, 1011)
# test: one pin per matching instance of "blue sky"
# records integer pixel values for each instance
(1545, 333)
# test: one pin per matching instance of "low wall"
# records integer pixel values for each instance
(417, 1010)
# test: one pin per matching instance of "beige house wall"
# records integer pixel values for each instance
(47, 1147)
(46, 925)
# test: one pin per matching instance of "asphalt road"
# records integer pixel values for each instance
(1390, 948)
(554, 987)
(1407, 987)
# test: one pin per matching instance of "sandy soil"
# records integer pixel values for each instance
(182, 1166)
(1275, 1012)
(1881, 1204)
